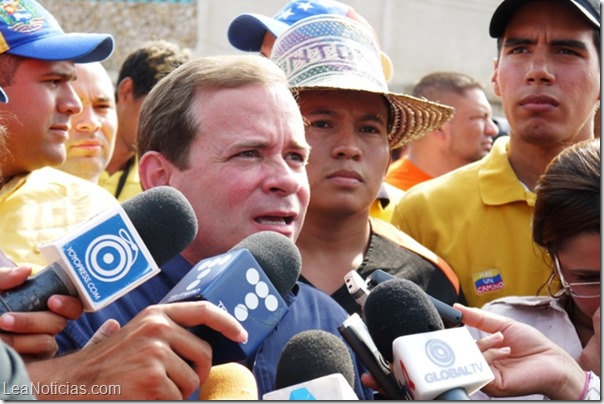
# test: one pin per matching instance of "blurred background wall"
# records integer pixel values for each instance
(420, 36)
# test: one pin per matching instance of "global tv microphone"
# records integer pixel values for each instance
(429, 361)
(110, 254)
(314, 365)
(250, 282)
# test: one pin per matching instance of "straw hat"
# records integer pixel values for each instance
(332, 52)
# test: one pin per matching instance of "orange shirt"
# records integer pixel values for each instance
(403, 174)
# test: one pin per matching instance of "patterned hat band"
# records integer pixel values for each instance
(334, 52)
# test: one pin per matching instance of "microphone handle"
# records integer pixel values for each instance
(457, 394)
(33, 294)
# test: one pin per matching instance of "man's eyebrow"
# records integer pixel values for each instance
(64, 75)
(569, 43)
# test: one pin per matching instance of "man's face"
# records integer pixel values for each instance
(92, 134)
(470, 133)
(548, 74)
(248, 169)
(348, 134)
(128, 109)
(37, 116)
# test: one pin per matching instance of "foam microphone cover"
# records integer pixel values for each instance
(396, 308)
(278, 257)
(164, 219)
(229, 381)
(313, 354)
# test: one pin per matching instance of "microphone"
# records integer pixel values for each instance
(113, 252)
(430, 362)
(314, 365)
(250, 282)
(355, 332)
(230, 381)
(451, 316)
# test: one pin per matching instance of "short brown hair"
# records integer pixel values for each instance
(167, 122)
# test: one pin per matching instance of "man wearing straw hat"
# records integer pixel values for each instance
(478, 217)
(252, 32)
(352, 124)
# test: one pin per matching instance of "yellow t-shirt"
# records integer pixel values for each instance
(389, 194)
(478, 219)
(42, 206)
(131, 187)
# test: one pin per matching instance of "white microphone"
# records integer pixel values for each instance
(113, 252)
(429, 362)
(314, 365)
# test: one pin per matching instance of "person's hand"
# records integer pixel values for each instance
(523, 360)
(32, 334)
(153, 357)
(590, 356)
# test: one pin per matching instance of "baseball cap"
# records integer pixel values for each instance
(27, 29)
(246, 31)
(590, 9)
(332, 52)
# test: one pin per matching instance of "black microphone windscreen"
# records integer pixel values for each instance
(278, 257)
(164, 219)
(396, 308)
(312, 354)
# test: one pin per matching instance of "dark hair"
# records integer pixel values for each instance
(150, 63)
(168, 122)
(568, 196)
(432, 85)
(8, 67)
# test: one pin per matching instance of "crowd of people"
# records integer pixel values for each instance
(297, 135)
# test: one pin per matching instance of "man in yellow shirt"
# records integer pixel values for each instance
(141, 70)
(478, 217)
(39, 203)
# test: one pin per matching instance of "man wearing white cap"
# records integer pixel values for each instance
(547, 74)
(36, 68)
(353, 122)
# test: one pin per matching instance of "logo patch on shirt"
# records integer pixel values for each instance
(487, 281)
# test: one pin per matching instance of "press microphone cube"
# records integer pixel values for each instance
(330, 387)
(234, 282)
(431, 363)
(104, 258)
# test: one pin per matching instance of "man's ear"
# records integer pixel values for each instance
(154, 170)
(125, 89)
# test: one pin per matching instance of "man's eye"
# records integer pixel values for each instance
(248, 153)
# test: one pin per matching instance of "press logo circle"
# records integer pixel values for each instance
(440, 353)
(109, 257)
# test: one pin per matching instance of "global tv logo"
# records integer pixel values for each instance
(439, 352)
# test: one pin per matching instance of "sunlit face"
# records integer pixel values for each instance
(92, 134)
(247, 169)
(41, 102)
(580, 262)
(470, 133)
(347, 131)
(548, 74)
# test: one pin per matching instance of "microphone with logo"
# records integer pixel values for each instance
(250, 282)
(314, 365)
(429, 362)
(229, 381)
(113, 252)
